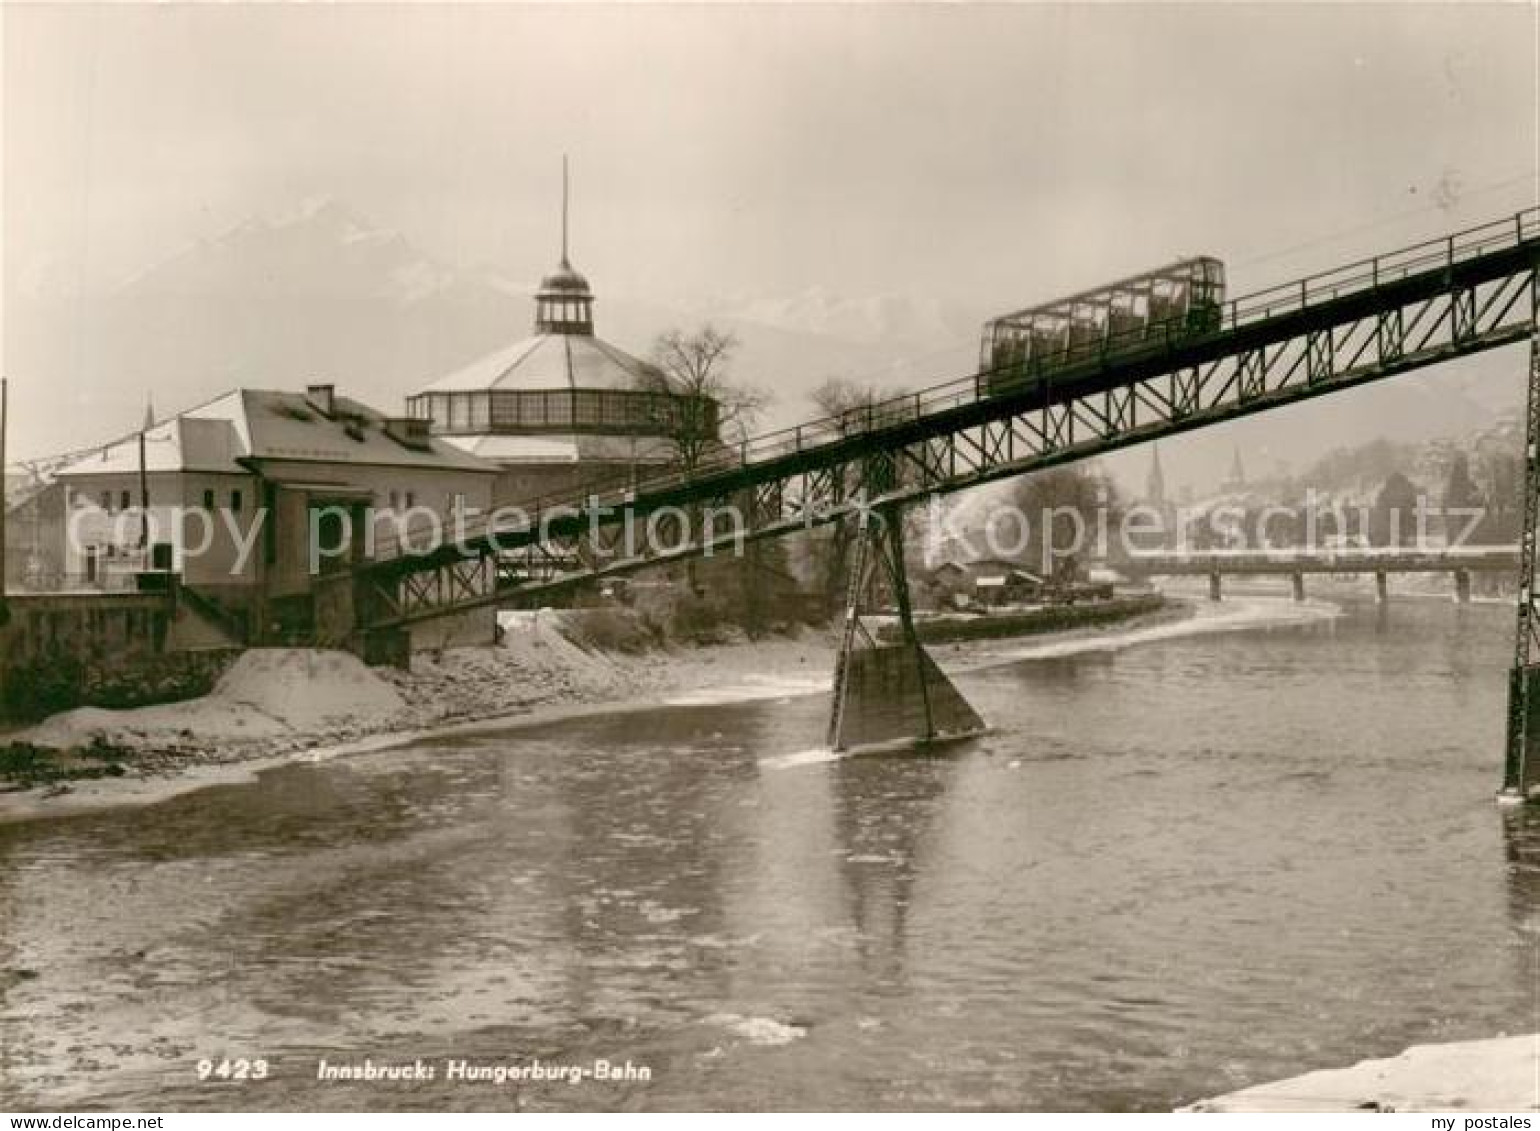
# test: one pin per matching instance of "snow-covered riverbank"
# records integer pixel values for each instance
(281, 705)
(1497, 1075)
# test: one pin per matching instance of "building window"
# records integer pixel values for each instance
(395, 500)
(107, 501)
(411, 499)
(480, 411)
(125, 497)
(505, 410)
(208, 499)
(235, 502)
(559, 408)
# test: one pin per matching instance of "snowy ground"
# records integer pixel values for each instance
(1497, 1075)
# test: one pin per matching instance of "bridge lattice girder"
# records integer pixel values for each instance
(1378, 319)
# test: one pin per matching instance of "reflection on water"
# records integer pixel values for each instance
(1168, 872)
(1521, 841)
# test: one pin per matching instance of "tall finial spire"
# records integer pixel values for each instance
(564, 304)
(564, 210)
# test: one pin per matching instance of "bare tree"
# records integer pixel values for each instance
(837, 396)
(700, 406)
(856, 406)
(706, 403)
(1056, 503)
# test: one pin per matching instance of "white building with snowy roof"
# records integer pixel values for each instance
(248, 495)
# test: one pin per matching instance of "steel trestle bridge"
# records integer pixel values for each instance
(1456, 296)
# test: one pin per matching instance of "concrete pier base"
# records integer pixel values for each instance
(889, 692)
(1215, 592)
(1521, 767)
(1462, 586)
(1382, 587)
(895, 692)
(1297, 584)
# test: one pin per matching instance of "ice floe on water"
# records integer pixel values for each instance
(747, 691)
(1230, 616)
(800, 758)
(757, 1030)
(655, 912)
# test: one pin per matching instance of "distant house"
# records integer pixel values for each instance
(240, 488)
(987, 581)
(1014, 587)
(951, 577)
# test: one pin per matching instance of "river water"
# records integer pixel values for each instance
(1172, 870)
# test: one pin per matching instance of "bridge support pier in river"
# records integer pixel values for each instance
(889, 690)
(1297, 584)
(1521, 766)
(1462, 586)
(1215, 589)
(1381, 587)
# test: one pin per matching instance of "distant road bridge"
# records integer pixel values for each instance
(1294, 563)
(1448, 298)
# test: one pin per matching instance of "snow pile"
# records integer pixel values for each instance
(1491, 1075)
(306, 688)
(267, 693)
(541, 641)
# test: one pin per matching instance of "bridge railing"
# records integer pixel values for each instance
(1312, 290)
(1223, 557)
(1367, 274)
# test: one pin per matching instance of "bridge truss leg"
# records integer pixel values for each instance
(1521, 770)
(888, 690)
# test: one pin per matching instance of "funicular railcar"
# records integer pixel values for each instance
(1160, 307)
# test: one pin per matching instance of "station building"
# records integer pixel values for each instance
(246, 498)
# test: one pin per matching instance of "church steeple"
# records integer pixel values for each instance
(564, 304)
(1237, 477)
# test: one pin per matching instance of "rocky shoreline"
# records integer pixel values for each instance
(277, 704)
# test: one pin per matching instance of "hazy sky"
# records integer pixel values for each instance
(988, 155)
(952, 150)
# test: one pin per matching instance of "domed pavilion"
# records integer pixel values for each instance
(562, 407)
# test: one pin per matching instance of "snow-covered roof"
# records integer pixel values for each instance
(549, 361)
(265, 424)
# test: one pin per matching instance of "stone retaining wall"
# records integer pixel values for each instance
(105, 649)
